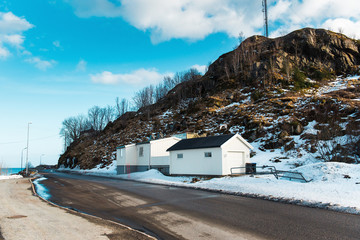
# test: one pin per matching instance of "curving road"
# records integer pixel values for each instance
(178, 213)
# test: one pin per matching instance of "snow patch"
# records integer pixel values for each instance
(10, 177)
(40, 189)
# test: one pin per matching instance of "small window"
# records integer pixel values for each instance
(180, 155)
(208, 154)
(141, 151)
(121, 152)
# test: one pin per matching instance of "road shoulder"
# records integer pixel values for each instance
(25, 216)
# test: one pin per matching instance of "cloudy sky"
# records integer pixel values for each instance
(58, 58)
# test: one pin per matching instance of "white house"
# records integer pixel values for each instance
(214, 155)
(144, 156)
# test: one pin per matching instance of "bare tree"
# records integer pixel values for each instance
(241, 38)
(109, 113)
(144, 97)
(94, 114)
(122, 106)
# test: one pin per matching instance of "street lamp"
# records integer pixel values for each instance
(22, 154)
(27, 150)
(40, 158)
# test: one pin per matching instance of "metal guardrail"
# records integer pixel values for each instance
(271, 170)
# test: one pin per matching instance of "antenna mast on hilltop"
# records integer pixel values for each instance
(266, 27)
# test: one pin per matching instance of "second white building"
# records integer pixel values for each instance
(215, 155)
(144, 156)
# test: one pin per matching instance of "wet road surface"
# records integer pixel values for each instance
(179, 213)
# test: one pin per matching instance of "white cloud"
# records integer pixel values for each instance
(140, 77)
(194, 20)
(14, 40)
(9, 23)
(41, 64)
(349, 28)
(291, 15)
(184, 19)
(11, 32)
(4, 53)
(200, 68)
(56, 44)
(81, 66)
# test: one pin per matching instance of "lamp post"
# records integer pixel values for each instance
(40, 158)
(27, 150)
(22, 154)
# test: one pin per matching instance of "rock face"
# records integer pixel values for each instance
(247, 76)
(316, 52)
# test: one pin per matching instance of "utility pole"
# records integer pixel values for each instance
(266, 26)
(27, 150)
(22, 154)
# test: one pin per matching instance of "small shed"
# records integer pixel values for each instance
(214, 155)
(144, 156)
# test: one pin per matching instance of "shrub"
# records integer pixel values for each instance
(321, 74)
(300, 80)
(257, 95)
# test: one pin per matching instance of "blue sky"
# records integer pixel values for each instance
(58, 58)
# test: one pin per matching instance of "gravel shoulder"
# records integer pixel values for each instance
(25, 216)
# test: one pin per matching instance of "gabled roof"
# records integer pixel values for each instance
(204, 142)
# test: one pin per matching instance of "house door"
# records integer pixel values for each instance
(236, 159)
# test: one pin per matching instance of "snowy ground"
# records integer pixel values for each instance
(10, 177)
(334, 186)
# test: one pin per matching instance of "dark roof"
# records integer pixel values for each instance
(204, 142)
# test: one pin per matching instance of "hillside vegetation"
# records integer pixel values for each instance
(292, 94)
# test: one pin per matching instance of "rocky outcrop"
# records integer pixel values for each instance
(262, 61)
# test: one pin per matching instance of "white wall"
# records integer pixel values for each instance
(195, 163)
(235, 154)
(159, 155)
(120, 159)
(131, 158)
(144, 159)
(126, 155)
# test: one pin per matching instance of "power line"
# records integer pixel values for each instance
(35, 139)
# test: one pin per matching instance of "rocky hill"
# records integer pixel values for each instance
(292, 94)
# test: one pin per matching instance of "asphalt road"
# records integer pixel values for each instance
(178, 213)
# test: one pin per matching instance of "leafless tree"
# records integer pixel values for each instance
(144, 97)
(241, 37)
(121, 106)
(94, 115)
(72, 128)
(109, 114)
(333, 144)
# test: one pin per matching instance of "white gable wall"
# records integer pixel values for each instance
(130, 153)
(194, 162)
(236, 153)
(125, 158)
(159, 155)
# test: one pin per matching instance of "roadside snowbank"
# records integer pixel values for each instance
(334, 186)
(10, 177)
